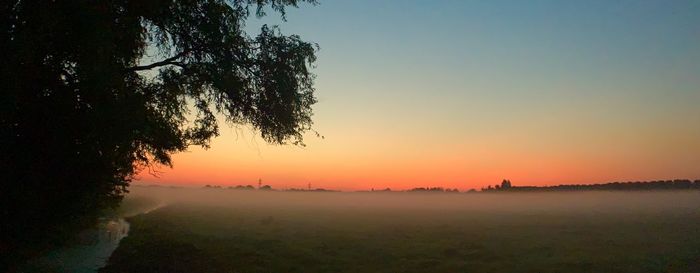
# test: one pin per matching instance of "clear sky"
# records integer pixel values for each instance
(466, 93)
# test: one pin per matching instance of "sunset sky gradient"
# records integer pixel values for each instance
(462, 94)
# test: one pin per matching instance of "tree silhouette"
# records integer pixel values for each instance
(506, 184)
(677, 184)
(95, 91)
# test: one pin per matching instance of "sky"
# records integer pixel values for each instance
(463, 94)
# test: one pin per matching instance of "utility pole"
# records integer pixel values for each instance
(259, 183)
(309, 185)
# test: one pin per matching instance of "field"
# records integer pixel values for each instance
(234, 231)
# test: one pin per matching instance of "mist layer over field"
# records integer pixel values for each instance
(565, 202)
(218, 230)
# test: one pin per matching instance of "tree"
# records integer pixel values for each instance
(506, 184)
(95, 91)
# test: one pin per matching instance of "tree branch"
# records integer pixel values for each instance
(169, 61)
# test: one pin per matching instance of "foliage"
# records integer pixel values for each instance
(433, 189)
(95, 91)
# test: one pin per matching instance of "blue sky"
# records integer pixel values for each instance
(538, 91)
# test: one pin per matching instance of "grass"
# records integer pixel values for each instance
(190, 237)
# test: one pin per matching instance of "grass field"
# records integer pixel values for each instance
(401, 232)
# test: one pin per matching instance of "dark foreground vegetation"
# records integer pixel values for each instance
(359, 232)
(87, 250)
(95, 91)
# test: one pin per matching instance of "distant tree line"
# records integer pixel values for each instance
(316, 190)
(239, 187)
(507, 185)
(432, 189)
(677, 184)
(262, 188)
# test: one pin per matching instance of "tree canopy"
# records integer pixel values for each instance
(94, 91)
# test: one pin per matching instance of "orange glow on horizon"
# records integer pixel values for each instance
(233, 162)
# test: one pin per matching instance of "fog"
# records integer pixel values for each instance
(592, 202)
(280, 231)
